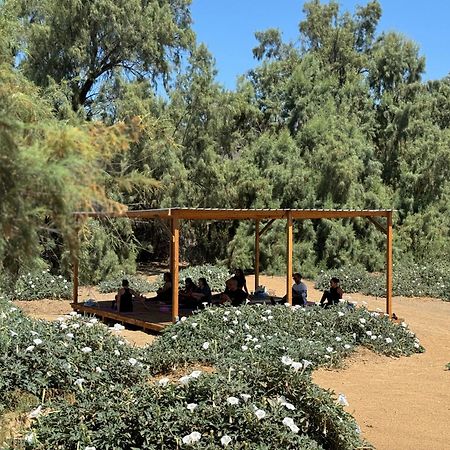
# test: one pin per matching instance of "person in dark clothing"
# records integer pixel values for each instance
(241, 281)
(233, 294)
(203, 292)
(186, 295)
(333, 295)
(164, 293)
(124, 298)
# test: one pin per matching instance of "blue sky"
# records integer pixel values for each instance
(227, 28)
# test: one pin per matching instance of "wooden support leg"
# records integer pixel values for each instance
(174, 264)
(256, 254)
(389, 237)
(289, 250)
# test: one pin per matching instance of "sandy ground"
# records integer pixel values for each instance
(399, 403)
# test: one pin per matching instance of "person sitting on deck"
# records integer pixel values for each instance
(241, 281)
(333, 295)
(124, 298)
(186, 295)
(299, 292)
(233, 294)
(164, 293)
(203, 292)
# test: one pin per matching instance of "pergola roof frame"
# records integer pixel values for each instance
(174, 215)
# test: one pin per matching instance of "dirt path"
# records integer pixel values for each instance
(400, 404)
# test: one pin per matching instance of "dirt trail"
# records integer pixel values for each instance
(399, 403)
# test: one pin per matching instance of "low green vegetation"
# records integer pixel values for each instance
(409, 279)
(237, 377)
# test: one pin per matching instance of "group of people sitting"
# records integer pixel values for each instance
(236, 293)
(194, 295)
(330, 297)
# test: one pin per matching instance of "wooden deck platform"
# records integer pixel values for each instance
(147, 315)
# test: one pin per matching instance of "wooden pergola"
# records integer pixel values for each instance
(175, 215)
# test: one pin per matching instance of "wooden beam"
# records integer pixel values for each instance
(389, 236)
(174, 264)
(335, 214)
(266, 227)
(257, 235)
(378, 225)
(289, 249)
(75, 278)
(135, 214)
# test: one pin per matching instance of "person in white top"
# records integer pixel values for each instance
(299, 290)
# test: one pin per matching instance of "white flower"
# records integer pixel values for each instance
(118, 327)
(225, 440)
(244, 348)
(404, 325)
(90, 448)
(13, 333)
(296, 365)
(231, 331)
(341, 314)
(195, 374)
(63, 326)
(34, 333)
(86, 349)
(238, 313)
(338, 339)
(388, 340)
(132, 361)
(290, 424)
(416, 345)
(260, 414)
(116, 352)
(79, 382)
(246, 326)
(121, 342)
(346, 346)
(192, 438)
(362, 320)
(163, 381)
(235, 322)
(205, 345)
(75, 326)
(233, 400)
(30, 438)
(185, 379)
(286, 360)
(373, 337)
(98, 370)
(327, 356)
(36, 412)
(30, 348)
(183, 319)
(69, 335)
(93, 320)
(342, 400)
(369, 333)
(257, 347)
(282, 401)
(191, 406)
(269, 317)
(306, 363)
(37, 341)
(194, 324)
(318, 324)
(329, 349)
(245, 397)
(174, 336)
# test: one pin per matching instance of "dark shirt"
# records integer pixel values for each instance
(237, 297)
(332, 296)
(241, 282)
(206, 291)
(126, 301)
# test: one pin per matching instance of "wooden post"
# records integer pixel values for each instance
(256, 254)
(289, 248)
(75, 278)
(389, 264)
(174, 257)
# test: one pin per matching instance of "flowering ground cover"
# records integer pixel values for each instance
(87, 389)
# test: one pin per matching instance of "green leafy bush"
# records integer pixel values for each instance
(138, 283)
(215, 275)
(93, 390)
(42, 284)
(409, 279)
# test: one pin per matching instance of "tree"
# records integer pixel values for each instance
(84, 42)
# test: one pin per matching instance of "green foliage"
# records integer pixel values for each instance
(137, 283)
(42, 284)
(215, 275)
(103, 393)
(410, 280)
